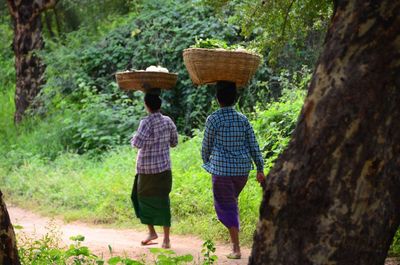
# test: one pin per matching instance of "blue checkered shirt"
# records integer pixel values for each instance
(229, 144)
(155, 135)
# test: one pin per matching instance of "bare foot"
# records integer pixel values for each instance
(234, 255)
(166, 244)
(148, 240)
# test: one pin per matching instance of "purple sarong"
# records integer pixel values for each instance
(226, 191)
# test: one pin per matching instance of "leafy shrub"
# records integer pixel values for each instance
(274, 123)
(7, 83)
(395, 247)
(7, 71)
(101, 122)
(34, 139)
(169, 257)
(49, 250)
(7, 130)
(208, 252)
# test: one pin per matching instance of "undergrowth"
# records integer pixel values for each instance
(49, 249)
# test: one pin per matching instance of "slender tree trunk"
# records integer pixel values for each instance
(58, 24)
(27, 39)
(48, 25)
(333, 197)
(8, 248)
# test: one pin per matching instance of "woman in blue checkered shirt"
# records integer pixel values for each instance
(228, 149)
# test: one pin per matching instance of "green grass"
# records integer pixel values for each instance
(7, 109)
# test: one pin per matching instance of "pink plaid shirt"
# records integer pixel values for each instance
(156, 133)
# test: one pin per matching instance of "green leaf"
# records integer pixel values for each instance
(78, 238)
(114, 260)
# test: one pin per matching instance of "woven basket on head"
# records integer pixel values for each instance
(207, 66)
(146, 81)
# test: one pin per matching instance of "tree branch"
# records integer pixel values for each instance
(12, 7)
(263, 2)
(286, 18)
(43, 5)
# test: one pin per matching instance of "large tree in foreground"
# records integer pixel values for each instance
(27, 39)
(333, 197)
(8, 249)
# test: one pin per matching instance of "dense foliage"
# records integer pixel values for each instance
(289, 29)
(81, 77)
(81, 93)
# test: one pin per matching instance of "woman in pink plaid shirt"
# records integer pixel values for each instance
(153, 180)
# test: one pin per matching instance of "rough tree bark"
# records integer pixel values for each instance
(333, 197)
(27, 38)
(8, 248)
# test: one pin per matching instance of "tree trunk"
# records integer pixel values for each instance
(333, 197)
(27, 39)
(48, 24)
(8, 248)
(58, 24)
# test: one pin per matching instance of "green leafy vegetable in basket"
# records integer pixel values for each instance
(220, 44)
(210, 44)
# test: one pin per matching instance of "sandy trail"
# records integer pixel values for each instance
(123, 241)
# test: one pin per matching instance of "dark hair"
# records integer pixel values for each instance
(226, 93)
(153, 102)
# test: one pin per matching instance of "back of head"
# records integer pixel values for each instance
(152, 101)
(226, 93)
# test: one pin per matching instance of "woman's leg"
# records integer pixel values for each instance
(166, 242)
(226, 191)
(238, 183)
(234, 233)
(152, 235)
(153, 196)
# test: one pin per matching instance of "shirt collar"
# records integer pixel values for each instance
(227, 108)
(154, 114)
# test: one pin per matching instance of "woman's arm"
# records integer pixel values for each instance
(254, 148)
(141, 135)
(208, 141)
(174, 135)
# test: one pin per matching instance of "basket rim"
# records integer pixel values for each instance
(221, 50)
(138, 73)
(136, 80)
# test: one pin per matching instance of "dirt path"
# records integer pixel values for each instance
(122, 241)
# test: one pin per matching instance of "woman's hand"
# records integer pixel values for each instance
(260, 177)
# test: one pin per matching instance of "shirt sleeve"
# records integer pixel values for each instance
(174, 135)
(255, 151)
(208, 141)
(142, 134)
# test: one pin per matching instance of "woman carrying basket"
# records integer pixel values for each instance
(153, 182)
(228, 148)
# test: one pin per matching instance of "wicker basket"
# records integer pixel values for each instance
(207, 66)
(146, 81)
